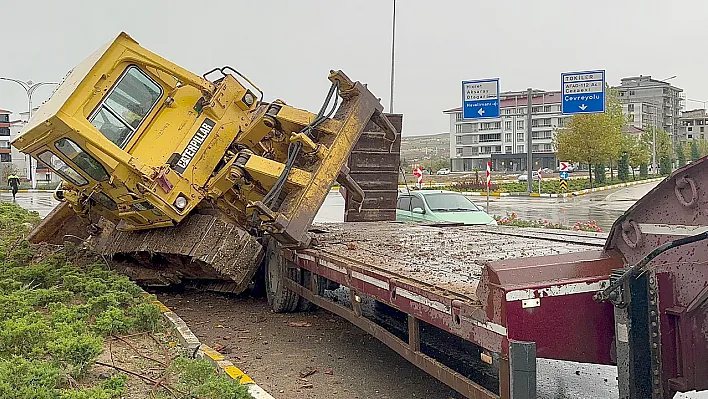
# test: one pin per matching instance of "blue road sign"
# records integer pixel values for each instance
(480, 99)
(583, 92)
(563, 174)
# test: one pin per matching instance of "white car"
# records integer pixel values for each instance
(444, 171)
(524, 176)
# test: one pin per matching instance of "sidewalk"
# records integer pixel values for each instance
(564, 195)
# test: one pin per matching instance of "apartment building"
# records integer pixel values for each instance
(692, 125)
(649, 102)
(503, 140)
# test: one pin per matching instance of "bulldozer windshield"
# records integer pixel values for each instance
(62, 168)
(121, 112)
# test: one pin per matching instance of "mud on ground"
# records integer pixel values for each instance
(314, 355)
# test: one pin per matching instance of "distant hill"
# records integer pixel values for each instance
(419, 148)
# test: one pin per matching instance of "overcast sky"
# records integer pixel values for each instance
(287, 47)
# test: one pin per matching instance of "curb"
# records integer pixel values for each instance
(564, 195)
(197, 349)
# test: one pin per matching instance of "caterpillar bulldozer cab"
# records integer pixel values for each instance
(193, 173)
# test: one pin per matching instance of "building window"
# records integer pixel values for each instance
(4, 118)
(702, 129)
(458, 140)
(541, 135)
(534, 148)
(690, 136)
(521, 111)
(4, 131)
(507, 149)
(458, 152)
(630, 107)
(508, 137)
(458, 116)
(4, 144)
(546, 108)
(630, 118)
(496, 149)
(508, 125)
(489, 125)
(466, 128)
(5, 157)
(485, 138)
(519, 148)
(519, 137)
(631, 92)
(519, 124)
(535, 110)
(690, 129)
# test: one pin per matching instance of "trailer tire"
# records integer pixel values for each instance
(322, 283)
(277, 268)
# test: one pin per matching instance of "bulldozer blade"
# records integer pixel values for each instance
(201, 247)
(61, 223)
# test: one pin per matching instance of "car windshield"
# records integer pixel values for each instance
(450, 202)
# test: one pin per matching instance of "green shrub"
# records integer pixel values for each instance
(77, 350)
(112, 321)
(147, 317)
(29, 379)
(199, 378)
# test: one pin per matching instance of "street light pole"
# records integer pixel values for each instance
(30, 87)
(393, 55)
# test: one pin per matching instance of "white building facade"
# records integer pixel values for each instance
(503, 140)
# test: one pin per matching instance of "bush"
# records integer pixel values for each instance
(665, 165)
(29, 379)
(623, 167)
(599, 174)
(643, 171)
(199, 379)
(113, 321)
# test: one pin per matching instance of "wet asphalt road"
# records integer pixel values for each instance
(604, 207)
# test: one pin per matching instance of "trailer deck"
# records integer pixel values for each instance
(431, 273)
(441, 257)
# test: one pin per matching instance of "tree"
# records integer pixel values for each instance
(680, 156)
(695, 154)
(639, 155)
(592, 138)
(665, 165)
(664, 144)
(600, 177)
(623, 167)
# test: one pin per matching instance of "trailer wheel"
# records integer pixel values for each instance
(322, 283)
(278, 268)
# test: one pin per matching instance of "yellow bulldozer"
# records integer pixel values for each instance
(177, 176)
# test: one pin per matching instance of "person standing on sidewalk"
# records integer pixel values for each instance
(14, 183)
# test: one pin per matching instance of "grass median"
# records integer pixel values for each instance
(70, 328)
(547, 186)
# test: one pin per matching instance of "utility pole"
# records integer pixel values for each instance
(393, 55)
(529, 145)
(30, 88)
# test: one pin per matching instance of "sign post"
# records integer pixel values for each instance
(480, 99)
(583, 92)
(563, 174)
(489, 182)
(540, 172)
(418, 173)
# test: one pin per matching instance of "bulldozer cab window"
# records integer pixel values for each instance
(81, 159)
(64, 170)
(125, 107)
